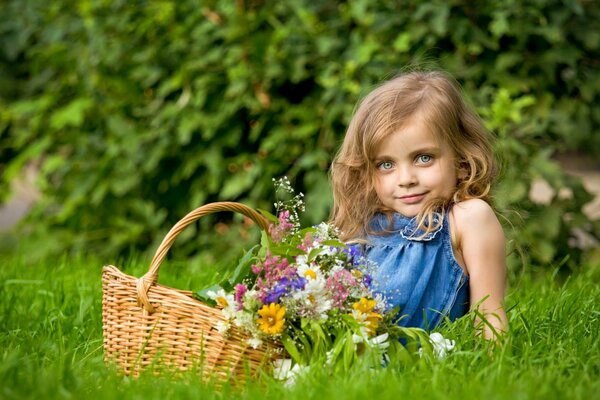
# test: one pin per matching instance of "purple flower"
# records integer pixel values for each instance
(284, 286)
(367, 280)
(353, 252)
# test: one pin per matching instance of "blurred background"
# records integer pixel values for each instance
(119, 117)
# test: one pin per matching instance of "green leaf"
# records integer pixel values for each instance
(402, 42)
(284, 249)
(349, 351)
(290, 346)
(71, 115)
(334, 243)
(202, 294)
(268, 216)
(244, 266)
(315, 252)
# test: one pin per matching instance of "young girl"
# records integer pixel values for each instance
(411, 184)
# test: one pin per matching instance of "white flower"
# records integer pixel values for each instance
(326, 231)
(225, 300)
(441, 346)
(244, 320)
(378, 342)
(254, 342)
(284, 371)
(381, 302)
(308, 271)
(222, 327)
(313, 301)
(302, 261)
(323, 231)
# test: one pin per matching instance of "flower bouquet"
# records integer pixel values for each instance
(313, 294)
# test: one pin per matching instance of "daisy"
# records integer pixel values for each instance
(225, 300)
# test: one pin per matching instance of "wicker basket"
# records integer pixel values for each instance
(150, 325)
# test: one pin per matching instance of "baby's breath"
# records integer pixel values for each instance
(287, 200)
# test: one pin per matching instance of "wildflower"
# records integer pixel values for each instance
(363, 313)
(340, 283)
(240, 291)
(314, 301)
(441, 346)
(352, 252)
(380, 342)
(271, 319)
(364, 305)
(225, 300)
(284, 286)
(284, 371)
(310, 272)
(222, 327)
(280, 231)
(254, 342)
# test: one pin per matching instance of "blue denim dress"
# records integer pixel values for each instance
(419, 274)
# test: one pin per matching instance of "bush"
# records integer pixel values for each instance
(137, 114)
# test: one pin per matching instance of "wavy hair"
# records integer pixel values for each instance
(434, 96)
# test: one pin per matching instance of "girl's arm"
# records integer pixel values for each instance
(481, 243)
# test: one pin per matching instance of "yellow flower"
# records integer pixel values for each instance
(222, 301)
(364, 305)
(372, 321)
(271, 318)
(310, 274)
(365, 314)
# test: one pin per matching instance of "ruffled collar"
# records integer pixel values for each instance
(406, 226)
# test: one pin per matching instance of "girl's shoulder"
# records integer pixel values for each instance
(474, 222)
(473, 212)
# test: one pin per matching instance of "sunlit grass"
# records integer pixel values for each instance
(51, 344)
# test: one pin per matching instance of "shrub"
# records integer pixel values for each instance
(138, 113)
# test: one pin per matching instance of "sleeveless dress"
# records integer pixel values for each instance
(419, 274)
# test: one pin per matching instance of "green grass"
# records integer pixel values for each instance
(51, 344)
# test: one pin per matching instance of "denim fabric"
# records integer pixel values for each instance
(419, 274)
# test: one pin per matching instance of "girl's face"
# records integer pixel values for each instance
(412, 167)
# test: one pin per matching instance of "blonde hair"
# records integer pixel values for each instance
(437, 98)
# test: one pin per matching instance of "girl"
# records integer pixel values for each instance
(411, 183)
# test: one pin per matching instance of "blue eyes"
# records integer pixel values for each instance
(421, 159)
(385, 165)
(424, 159)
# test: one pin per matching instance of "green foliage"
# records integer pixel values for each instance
(136, 114)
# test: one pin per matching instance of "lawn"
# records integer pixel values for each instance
(51, 343)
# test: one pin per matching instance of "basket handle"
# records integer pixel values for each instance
(149, 278)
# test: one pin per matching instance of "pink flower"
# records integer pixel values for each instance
(339, 285)
(284, 226)
(240, 291)
(308, 242)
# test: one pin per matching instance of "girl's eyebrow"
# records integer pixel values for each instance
(435, 150)
(425, 150)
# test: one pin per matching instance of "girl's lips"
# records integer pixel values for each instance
(412, 198)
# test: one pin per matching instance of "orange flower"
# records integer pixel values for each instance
(271, 319)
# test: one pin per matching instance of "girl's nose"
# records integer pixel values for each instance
(406, 177)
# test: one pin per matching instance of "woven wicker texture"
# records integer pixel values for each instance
(146, 324)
